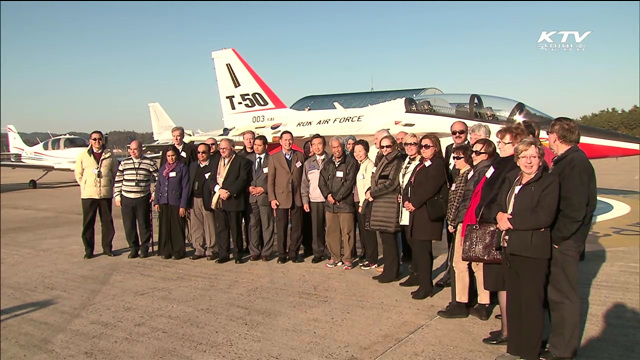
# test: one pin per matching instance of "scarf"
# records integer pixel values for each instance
(470, 215)
(169, 168)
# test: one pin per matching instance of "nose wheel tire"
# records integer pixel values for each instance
(33, 184)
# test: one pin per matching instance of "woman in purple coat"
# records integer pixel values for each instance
(170, 201)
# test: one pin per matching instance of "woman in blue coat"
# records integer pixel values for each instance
(170, 201)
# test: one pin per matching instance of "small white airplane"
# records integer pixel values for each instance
(248, 103)
(161, 124)
(56, 154)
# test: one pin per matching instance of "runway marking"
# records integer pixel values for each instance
(406, 337)
(618, 208)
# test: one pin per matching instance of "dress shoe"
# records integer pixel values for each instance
(237, 260)
(166, 256)
(282, 260)
(548, 355)
(133, 255)
(411, 281)
(88, 256)
(265, 258)
(481, 311)
(144, 255)
(196, 257)
(316, 259)
(254, 258)
(421, 294)
(223, 260)
(496, 339)
(295, 259)
(177, 257)
(212, 257)
(455, 310)
(498, 316)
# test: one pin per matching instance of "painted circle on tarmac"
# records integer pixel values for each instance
(607, 209)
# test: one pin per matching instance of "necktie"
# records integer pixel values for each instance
(259, 166)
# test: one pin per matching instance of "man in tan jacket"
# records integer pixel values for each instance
(95, 172)
(284, 185)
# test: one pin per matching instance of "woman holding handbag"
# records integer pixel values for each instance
(482, 153)
(527, 202)
(383, 194)
(426, 181)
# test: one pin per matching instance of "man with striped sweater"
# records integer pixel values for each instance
(132, 192)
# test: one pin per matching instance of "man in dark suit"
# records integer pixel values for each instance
(261, 225)
(284, 185)
(568, 236)
(226, 193)
(201, 222)
(186, 151)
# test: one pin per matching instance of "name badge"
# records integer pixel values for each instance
(265, 170)
(183, 154)
(206, 176)
(453, 187)
(339, 174)
(298, 164)
(361, 177)
(470, 175)
(489, 172)
(518, 188)
(427, 163)
(172, 174)
(313, 167)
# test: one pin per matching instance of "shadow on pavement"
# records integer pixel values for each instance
(618, 339)
(24, 309)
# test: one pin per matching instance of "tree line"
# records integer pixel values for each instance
(622, 121)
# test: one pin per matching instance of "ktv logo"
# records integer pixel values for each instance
(546, 40)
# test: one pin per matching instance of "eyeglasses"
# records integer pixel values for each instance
(411, 144)
(386, 146)
(203, 152)
(96, 139)
(212, 145)
(225, 148)
(456, 132)
(478, 152)
(528, 157)
(504, 142)
(457, 157)
(426, 146)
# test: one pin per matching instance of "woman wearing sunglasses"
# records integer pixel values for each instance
(426, 181)
(482, 153)
(383, 195)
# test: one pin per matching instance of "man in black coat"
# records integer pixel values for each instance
(226, 193)
(186, 151)
(568, 236)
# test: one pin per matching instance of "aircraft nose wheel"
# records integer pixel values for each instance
(33, 184)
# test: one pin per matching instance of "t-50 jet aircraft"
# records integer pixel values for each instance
(248, 103)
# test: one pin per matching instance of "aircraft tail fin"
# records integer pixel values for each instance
(161, 123)
(241, 89)
(16, 145)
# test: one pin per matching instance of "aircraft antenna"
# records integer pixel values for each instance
(49, 132)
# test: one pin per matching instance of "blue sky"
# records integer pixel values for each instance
(80, 66)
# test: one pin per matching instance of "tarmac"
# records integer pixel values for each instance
(56, 305)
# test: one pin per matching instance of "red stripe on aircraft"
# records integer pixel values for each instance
(270, 94)
(594, 151)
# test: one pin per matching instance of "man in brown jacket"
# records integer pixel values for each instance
(284, 184)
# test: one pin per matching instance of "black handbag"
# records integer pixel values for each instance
(479, 243)
(437, 205)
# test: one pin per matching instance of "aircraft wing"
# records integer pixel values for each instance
(15, 165)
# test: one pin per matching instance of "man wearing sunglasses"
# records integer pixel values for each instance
(95, 172)
(201, 221)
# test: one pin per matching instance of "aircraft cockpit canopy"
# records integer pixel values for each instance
(485, 108)
(61, 143)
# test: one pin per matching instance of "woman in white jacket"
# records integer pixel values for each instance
(368, 238)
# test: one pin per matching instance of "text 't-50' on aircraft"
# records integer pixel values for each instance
(248, 103)
(56, 154)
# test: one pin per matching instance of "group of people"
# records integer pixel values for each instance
(541, 199)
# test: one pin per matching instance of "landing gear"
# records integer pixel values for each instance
(33, 184)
